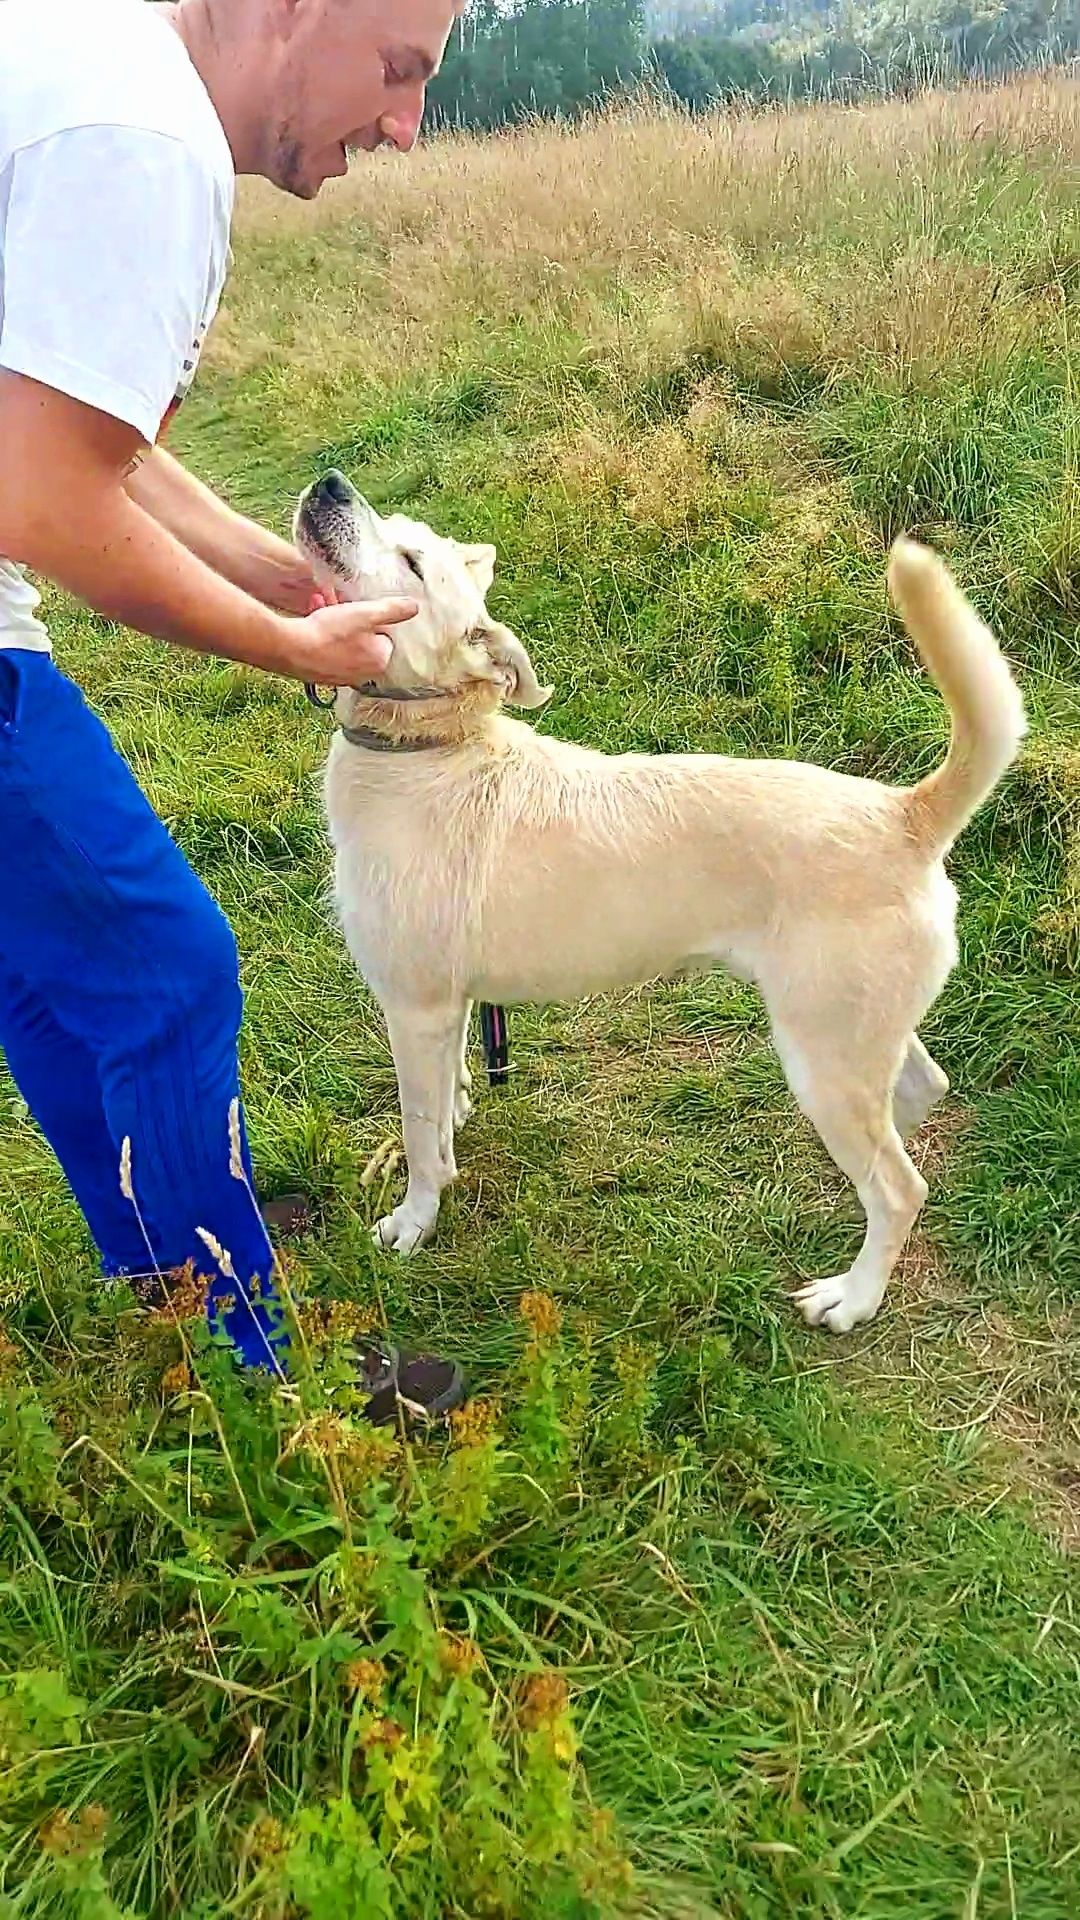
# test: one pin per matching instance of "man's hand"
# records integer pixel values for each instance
(287, 584)
(345, 645)
(274, 573)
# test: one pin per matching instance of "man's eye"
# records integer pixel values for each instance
(411, 560)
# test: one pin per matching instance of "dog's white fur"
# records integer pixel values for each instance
(503, 865)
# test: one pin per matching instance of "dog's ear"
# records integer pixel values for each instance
(513, 666)
(481, 564)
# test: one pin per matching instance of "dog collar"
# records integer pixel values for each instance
(368, 736)
(378, 742)
(371, 692)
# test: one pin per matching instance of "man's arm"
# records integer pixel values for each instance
(237, 548)
(65, 512)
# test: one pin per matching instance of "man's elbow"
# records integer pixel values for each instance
(31, 529)
(27, 507)
(15, 537)
(43, 523)
(62, 468)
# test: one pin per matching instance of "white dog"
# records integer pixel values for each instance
(479, 860)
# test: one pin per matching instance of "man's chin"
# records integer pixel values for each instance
(304, 176)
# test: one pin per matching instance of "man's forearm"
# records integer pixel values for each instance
(254, 560)
(118, 559)
(195, 515)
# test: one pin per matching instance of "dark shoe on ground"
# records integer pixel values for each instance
(288, 1216)
(412, 1387)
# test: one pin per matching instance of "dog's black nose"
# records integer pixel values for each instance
(335, 487)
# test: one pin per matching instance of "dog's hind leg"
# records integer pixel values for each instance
(920, 1085)
(426, 1043)
(844, 1085)
(463, 1079)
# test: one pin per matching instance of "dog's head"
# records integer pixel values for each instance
(452, 642)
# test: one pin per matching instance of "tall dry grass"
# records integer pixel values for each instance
(808, 234)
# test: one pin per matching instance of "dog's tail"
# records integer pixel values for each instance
(973, 675)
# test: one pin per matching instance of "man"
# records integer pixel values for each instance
(122, 129)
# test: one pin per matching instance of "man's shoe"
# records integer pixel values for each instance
(414, 1388)
(288, 1216)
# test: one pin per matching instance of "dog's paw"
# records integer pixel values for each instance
(839, 1304)
(406, 1229)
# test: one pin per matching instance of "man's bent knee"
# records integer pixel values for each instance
(193, 983)
(208, 972)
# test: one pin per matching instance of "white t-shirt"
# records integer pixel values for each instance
(116, 196)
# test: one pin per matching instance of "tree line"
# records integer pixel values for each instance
(510, 60)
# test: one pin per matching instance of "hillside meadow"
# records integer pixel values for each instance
(694, 1614)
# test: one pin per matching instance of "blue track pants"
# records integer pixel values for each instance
(120, 1000)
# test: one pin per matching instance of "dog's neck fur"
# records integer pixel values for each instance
(411, 723)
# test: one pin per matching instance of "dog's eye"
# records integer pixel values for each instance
(411, 560)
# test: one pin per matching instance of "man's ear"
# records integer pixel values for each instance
(513, 666)
(481, 564)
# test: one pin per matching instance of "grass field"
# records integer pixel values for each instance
(700, 1614)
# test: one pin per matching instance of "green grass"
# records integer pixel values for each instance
(795, 1611)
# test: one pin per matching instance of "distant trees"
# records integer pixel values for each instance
(512, 59)
(537, 57)
(704, 68)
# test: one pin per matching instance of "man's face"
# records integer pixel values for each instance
(348, 73)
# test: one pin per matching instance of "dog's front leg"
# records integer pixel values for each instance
(426, 1044)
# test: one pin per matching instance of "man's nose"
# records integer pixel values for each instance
(401, 125)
